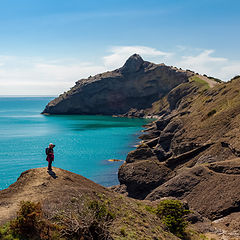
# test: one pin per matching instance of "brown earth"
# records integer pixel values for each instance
(38, 185)
(61, 190)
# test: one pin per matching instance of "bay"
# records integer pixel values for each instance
(84, 143)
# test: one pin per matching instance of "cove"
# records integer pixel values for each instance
(84, 144)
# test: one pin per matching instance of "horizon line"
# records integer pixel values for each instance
(27, 95)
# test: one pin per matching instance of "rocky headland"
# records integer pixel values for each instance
(191, 152)
(131, 88)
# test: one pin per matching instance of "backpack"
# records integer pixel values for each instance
(46, 151)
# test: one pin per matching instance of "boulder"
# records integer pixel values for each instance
(143, 152)
(141, 177)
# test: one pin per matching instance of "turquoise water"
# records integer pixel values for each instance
(83, 143)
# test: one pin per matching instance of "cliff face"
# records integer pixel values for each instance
(192, 151)
(134, 86)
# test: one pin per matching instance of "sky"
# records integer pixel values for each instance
(47, 45)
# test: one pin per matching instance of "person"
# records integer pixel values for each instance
(50, 156)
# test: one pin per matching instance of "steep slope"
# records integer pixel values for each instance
(136, 85)
(65, 194)
(192, 151)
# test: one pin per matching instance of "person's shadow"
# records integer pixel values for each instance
(52, 174)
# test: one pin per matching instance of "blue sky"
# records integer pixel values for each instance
(46, 45)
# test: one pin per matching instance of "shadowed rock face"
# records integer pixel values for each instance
(213, 194)
(134, 86)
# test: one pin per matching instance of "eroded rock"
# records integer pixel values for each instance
(141, 177)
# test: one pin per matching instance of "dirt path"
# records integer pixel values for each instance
(210, 82)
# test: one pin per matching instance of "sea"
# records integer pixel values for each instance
(84, 143)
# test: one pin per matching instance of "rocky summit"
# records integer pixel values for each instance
(135, 86)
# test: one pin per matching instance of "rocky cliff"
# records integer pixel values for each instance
(192, 152)
(134, 86)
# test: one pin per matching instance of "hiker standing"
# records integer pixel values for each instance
(50, 156)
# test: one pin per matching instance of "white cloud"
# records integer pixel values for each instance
(41, 76)
(203, 58)
(120, 54)
(34, 75)
(205, 63)
(230, 70)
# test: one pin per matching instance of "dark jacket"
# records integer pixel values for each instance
(50, 154)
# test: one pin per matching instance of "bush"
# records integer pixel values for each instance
(237, 76)
(30, 224)
(215, 79)
(101, 211)
(28, 218)
(172, 213)
(88, 221)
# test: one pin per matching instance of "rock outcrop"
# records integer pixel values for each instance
(133, 87)
(191, 151)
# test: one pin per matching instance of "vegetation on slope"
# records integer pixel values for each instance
(200, 82)
(94, 220)
(72, 206)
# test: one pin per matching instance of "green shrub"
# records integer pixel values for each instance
(101, 211)
(27, 219)
(87, 221)
(172, 213)
(150, 209)
(237, 76)
(215, 79)
(30, 224)
(123, 231)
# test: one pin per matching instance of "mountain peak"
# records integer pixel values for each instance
(133, 64)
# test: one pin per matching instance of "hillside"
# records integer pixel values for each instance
(64, 194)
(191, 151)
